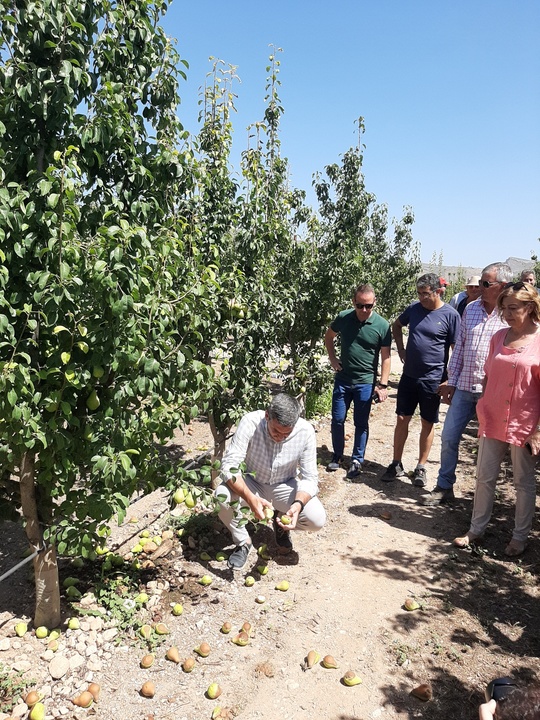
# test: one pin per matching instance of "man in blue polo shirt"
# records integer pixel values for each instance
(433, 330)
(364, 336)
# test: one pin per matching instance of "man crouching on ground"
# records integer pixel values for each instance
(279, 451)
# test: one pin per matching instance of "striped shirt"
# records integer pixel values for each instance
(271, 462)
(466, 366)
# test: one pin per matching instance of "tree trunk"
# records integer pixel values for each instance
(220, 436)
(47, 610)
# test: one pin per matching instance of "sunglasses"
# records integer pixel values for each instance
(516, 286)
(486, 283)
(365, 306)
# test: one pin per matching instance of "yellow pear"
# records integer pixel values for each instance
(242, 639)
(312, 658)
(148, 689)
(173, 655)
(213, 691)
(203, 649)
(37, 712)
(411, 604)
(283, 586)
(329, 662)
(350, 679)
(147, 661)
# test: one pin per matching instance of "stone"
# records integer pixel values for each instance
(22, 666)
(58, 667)
(94, 663)
(109, 634)
(19, 710)
(76, 661)
(4, 644)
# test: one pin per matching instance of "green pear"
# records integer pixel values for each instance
(178, 609)
(21, 628)
(283, 586)
(179, 496)
(205, 580)
(92, 401)
(249, 581)
(41, 632)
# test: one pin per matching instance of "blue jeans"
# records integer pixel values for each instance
(343, 395)
(460, 413)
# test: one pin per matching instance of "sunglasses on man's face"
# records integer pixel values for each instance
(363, 306)
(487, 283)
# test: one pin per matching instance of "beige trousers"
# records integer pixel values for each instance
(490, 456)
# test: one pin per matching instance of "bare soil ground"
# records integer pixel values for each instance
(478, 616)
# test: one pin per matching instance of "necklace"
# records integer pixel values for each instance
(519, 342)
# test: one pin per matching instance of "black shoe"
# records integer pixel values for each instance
(283, 537)
(438, 496)
(354, 470)
(393, 471)
(420, 477)
(334, 464)
(237, 559)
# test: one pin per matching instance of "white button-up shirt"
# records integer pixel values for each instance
(271, 462)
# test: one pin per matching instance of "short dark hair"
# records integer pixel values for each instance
(285, 409)
(363, 288)
(430, 280)
(521, 704)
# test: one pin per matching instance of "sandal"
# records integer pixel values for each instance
(465, 540)
(515, 548)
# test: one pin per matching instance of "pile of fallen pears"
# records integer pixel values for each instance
(140, 557)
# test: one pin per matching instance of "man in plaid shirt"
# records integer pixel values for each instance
(463, 389)
(279, 452)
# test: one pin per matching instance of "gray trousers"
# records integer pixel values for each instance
(312, 517)
(490, 456)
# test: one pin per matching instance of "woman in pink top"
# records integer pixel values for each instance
(509, 415)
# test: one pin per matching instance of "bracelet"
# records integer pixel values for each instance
(302, 505)
(381, 385)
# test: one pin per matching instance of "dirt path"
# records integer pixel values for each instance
(348, 583)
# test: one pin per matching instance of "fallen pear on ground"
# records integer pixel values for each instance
(351, 678)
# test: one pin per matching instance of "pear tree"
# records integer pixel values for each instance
(97, 270)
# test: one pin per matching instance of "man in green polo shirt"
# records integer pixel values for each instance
(364, 335)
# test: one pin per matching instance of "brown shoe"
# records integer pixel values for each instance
(465, 540)
(515, 548)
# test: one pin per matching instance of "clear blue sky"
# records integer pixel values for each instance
(449, 91)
